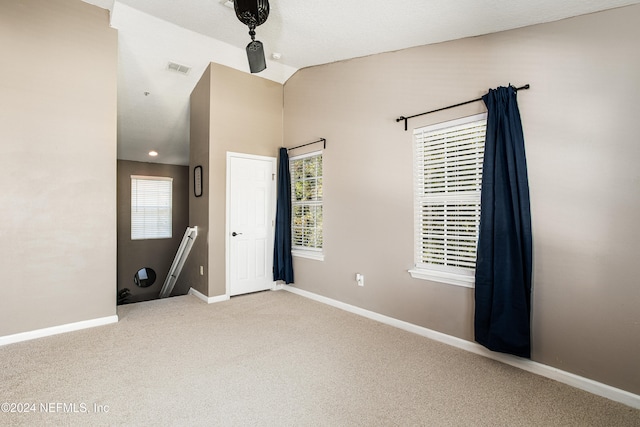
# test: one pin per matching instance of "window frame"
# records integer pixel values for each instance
(304, 251)
(169, 227)
(453, 275)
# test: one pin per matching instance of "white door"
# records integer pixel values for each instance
(250, 219)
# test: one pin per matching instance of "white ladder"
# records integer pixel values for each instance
(178, 262)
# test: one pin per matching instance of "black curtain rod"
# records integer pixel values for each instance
(324, 141)
(527, 86)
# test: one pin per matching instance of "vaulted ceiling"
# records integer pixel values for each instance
(153, 99)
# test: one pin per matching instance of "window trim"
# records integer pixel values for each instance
(308, 254)
(316, 254)
(433, 272)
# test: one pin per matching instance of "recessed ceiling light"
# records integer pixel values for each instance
(276, 55)
(153, 153)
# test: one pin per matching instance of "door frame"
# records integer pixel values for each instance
(227, 227)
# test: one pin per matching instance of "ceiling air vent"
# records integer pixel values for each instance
(178, 68)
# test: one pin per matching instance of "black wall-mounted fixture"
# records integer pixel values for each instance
(253, 13)
(145, 277)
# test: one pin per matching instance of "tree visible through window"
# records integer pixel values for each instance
(306, 194)
(151, 207)
(447, 183)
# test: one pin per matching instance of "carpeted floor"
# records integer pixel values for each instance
(275, 359)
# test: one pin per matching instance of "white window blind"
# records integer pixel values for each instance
(151, 207)
(306, 203)
(447, 183)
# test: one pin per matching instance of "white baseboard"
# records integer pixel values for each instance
(547, 371)
(208, 300)
(55, 330)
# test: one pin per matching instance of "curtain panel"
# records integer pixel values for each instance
(503, 265)
(282, 259)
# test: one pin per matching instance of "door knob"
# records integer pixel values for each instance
(234, 234)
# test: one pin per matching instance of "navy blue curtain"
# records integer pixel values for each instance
(282, 260)
(503, 268)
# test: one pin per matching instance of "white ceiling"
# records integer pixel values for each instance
(195, 32)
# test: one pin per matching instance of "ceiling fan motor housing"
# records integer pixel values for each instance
(253, 13)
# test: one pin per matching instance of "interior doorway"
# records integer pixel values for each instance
(251, 190)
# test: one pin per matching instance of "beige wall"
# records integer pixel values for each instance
(580, 122)
(57, 164)
(200, 111)
(244, 116)
(157, 254)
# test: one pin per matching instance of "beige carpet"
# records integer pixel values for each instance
(275, 359)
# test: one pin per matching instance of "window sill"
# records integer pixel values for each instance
(318, 256)
(443, 277)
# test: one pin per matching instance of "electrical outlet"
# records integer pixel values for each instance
(360, 279)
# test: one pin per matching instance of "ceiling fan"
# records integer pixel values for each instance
(253, 13)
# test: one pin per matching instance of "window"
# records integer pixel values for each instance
(151, 205)
(447, 182)
(306, 205)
